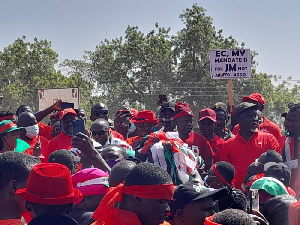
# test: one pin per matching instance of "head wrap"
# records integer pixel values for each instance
(222, 179)
(182, 109)
(124, 111)
(8, 117)
(114, 194)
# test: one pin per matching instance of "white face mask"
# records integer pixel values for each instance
(32, 131)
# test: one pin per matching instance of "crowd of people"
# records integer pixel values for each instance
(150, 168)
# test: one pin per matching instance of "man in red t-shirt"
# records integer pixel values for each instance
(267, 125)
(197, 143)
(249, 143)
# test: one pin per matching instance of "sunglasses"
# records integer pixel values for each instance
(100, 132)
(100, 113)
(122, 124)
(293, 106)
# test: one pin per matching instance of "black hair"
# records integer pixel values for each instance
(119, 171)
(270, 156)
(52, 219)
(1, 142)
(281, 172)
(233, 217)
(63, 157)
(113, 148)
(220, 106)
(276, 209)
(42, 210)
(14, 166)
(235, 199)
(19, 108)
(147, 174)
(101, 121)
(6, 113)
(226, 170)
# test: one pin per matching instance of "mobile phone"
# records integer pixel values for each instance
(163, 97)
(66, 105)
(78, 126)
(254, 200)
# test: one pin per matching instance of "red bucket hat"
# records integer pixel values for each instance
(182, 109)
(255, 97)
(64, 112)
(49, 184)
(207, 113)
(146, 116)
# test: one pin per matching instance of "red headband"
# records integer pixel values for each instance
(8, 117)
(209, 221)
(214, 169)
(7, 126)
(160, 191)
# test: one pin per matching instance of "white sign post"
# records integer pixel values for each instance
(48, 97)
(230, 63)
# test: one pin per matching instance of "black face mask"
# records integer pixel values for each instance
(168, 121)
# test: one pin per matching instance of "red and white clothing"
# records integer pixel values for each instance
(241, 153)
(116, 134)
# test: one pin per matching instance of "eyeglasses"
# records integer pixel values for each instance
(293, 106)
(100, 113)
(100, 132)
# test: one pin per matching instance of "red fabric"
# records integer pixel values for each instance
(209, 221)
(241, 153)
(199, 145)
(116, 134)
(131, 140)
(291, 191)
(8, 117)
(216, 172)
(160, 191)
(294, 213)
(7, 126)
(27, 216)
(146, 116)
(62, 113)
(217, 145)
(255, 97)
(207, 114)
(45, 131)
(182, 109)
(12, 222)
(267, 126)
(61, 141)
(44, 148)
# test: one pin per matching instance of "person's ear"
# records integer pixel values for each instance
(179, 213)
(28, 206)
(13, 185)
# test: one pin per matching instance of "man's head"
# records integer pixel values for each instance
(166, 113)
(293, 120)
(56, 129)
(14, 171)
(9, 132)
(119, 171)
(113, 154)
(235, 199)
(246, 114)
(93, 184)
(145, 122)
(257, 99)
(99, 110)
(66, 117)
(207, 123)
(122, 120)
(81, 114)
(49, 190)
(7, 115)
(220, 175)
(29, 122)
(231, 217)
(222, 118)
(65, 157)
(280, 171)
(183, 118)
(23, 108)
(100, 131)
(153, 209)
(193, 202)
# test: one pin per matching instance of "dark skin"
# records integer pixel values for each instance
(101, 132)
(113, 153)
(26, 119)
(43, 113)
(122, 125)
(170, 125)
(292, 122)
(222, 120)
(99, 111)
(207, 128)
(144, 129)
(184, 126)
(259, 105)
(66, 123)
(248, 122)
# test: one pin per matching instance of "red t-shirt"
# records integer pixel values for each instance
(131, 140)
(45, 131)
(44, 147)
(61, 141)
(12, 222)
(199, 145)
(116, 134)
(217, 145)
(294, 213)
(267, 126)
(241, 153)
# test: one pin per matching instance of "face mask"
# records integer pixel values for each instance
(132, 128)
(111, 163)
(32, 131)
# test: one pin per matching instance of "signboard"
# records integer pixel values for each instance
(230, 63)
(48, 97)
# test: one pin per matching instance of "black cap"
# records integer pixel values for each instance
(193, 191)
(280, 171)
(167, 105)
(243, 107)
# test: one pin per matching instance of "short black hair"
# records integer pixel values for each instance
(147, 174)
(101, 121)
(19, 108)
(233, 217)
(41, 209)
(220, 106)
(52, 219)
(119, 171)
(235, 199)
(15, 166)
(62, 156)
(270, 156)
(113, 148)
(6, 113)
(226, 170)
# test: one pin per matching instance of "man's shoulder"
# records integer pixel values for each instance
(197, 137)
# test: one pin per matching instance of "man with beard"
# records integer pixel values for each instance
(249, 144)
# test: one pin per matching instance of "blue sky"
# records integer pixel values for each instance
(270, 27)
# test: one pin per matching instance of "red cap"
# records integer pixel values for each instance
(146, 116)
(182, 109)
(49, 184)
(207, 113)
(255, 97)
(62, 113)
